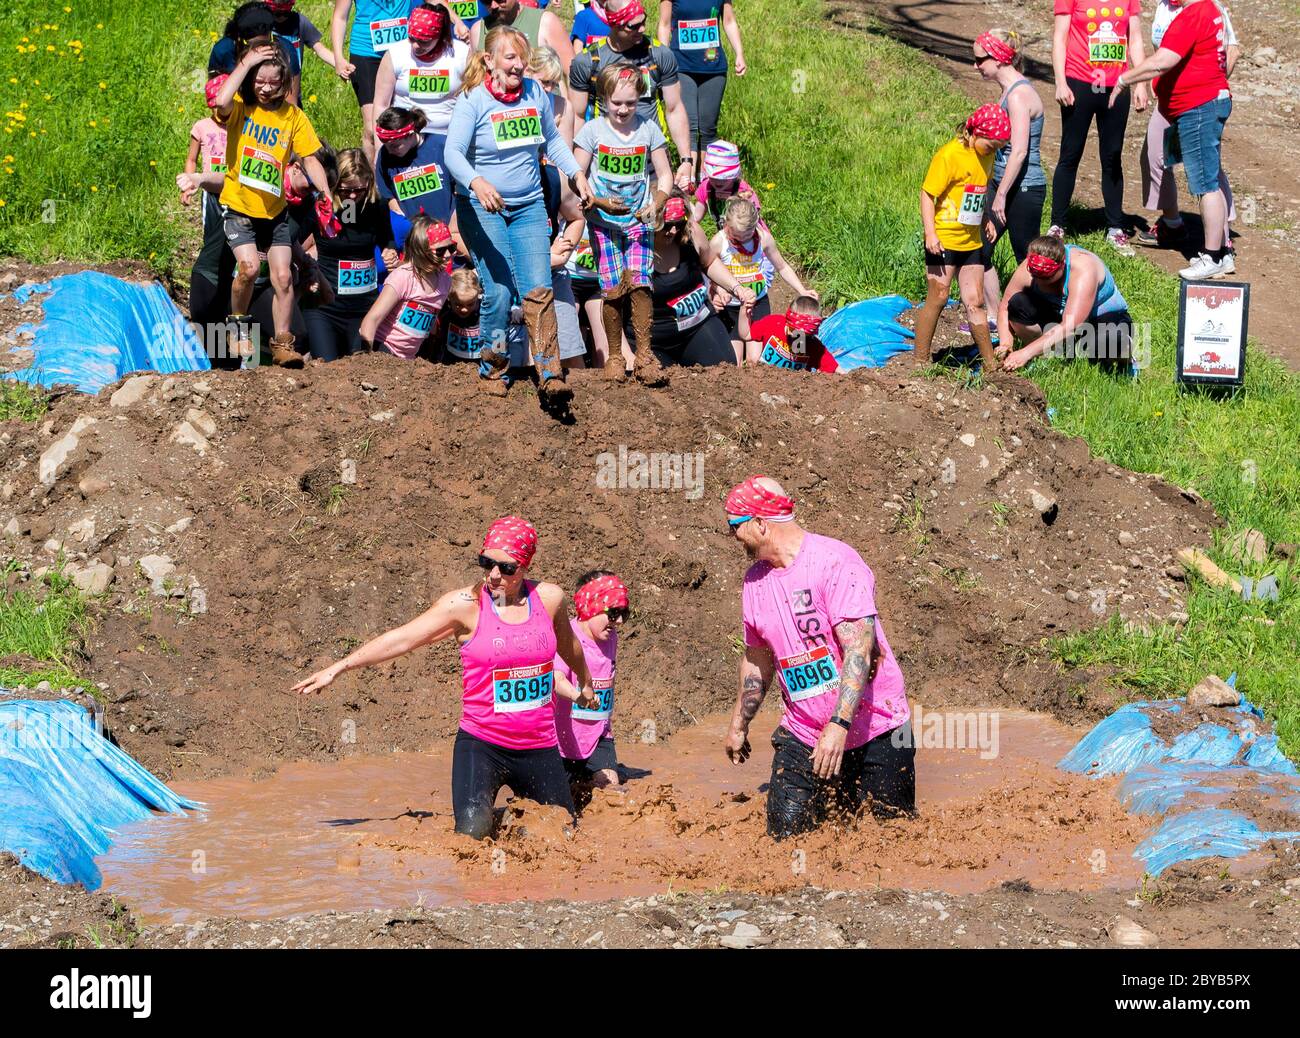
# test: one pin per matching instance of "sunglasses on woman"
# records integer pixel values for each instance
(508, 569)
(618, 614)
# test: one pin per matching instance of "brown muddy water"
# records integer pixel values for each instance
(376, 832)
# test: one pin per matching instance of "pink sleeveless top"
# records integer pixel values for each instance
(508, 677)
(577, 729)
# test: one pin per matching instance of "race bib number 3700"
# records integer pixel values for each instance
(516, 128)
(809, 674)
(522, 688)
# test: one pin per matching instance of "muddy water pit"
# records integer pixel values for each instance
(377, 833)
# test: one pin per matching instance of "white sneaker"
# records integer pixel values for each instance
(1230, 262)
(1119, 242)
(1202, 267)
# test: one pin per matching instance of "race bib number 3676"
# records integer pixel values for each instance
(522, 688)
(809, 674)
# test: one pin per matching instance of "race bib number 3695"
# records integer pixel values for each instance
(522, 688)
(516, 128)
(809, 674)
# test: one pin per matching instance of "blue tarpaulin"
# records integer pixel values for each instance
(64, 790)
(867, 333)
(1182, 779)
(98, 328)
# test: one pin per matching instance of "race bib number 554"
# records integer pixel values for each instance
(522, 688)
(809, 674)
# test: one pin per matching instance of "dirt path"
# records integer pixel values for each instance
(1262, 138)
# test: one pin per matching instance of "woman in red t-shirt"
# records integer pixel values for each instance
(1192, 94)
(1093, 42)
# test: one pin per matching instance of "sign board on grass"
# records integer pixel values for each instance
(1212, 333)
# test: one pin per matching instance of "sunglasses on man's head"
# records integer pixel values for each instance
(508, 569)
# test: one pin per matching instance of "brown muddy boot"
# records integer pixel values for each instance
(493, 385)
(283, 354)
(648, 370)
(544, 339)
(927, 319)
(988, 360)
(611, 313)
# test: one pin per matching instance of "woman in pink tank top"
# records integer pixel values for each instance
(510, 630)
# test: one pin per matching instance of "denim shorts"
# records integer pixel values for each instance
(1200, 136)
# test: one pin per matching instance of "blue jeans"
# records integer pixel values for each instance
(1200, 136)
(512, 254)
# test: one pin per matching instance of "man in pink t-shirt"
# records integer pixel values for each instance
(809, 614)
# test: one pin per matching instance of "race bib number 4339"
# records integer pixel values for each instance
(522, 688)
(809, 674)
(517, 128)
(259, 170)
(1107, 48)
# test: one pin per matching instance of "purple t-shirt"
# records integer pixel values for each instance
(578, 730)
(793, 611)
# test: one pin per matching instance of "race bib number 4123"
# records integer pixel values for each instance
(809, 674)
(522, 688)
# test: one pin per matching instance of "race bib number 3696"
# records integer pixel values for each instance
(522, 688)
(516, 128)
(809, 674)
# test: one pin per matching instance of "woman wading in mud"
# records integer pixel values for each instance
(509, 630)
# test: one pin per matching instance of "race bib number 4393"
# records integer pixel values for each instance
(516, 128)
(522, 688)
(259, 170)
(809, 674)
(621, 163)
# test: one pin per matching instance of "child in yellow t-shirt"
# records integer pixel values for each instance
(952, 211)
(264, 134)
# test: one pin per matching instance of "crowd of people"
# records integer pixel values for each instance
(530, 197)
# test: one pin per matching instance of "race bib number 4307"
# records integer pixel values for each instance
(522, 688)
(809, 674)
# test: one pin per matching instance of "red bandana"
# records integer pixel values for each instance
(595, 596)
(425, 23)
(748, 498)
(990, 122)
(514, 536)
(438, 233)
(808, 323)
(504, 98)
(627, 15)
(394, 135)
(1001, 52)
(213, 88)
(674, 211)
(1043, 266)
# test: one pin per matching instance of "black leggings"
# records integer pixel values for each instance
(333, 333)
(479, 769)
(1076, 120)
(705, 345)
(882, 772)
(702, 95)
(1024, 221)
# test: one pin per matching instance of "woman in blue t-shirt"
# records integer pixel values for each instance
(693, 29)
(379, 24)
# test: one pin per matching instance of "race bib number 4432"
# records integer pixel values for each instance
(522, 688)
(516, 128)
(259, 170)
(809, 674)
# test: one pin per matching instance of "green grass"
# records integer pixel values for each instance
(38, 636)
(19, 400)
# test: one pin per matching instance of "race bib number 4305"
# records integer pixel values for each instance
(809, 674)
(522, 688)
(416, 182)
(517, 128)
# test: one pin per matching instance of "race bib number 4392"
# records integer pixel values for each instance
(259, 170)
(516, 128)
(522, 688)
(809, 674)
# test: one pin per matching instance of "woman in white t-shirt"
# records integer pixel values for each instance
(425, 70)
(1161, 191)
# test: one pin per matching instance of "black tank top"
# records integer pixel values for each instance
(681, 298)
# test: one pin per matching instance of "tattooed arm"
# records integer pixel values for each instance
(756, 671)
(857, 641)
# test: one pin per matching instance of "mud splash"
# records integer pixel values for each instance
(377, 833)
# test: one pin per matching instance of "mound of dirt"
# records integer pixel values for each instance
(247, 527)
